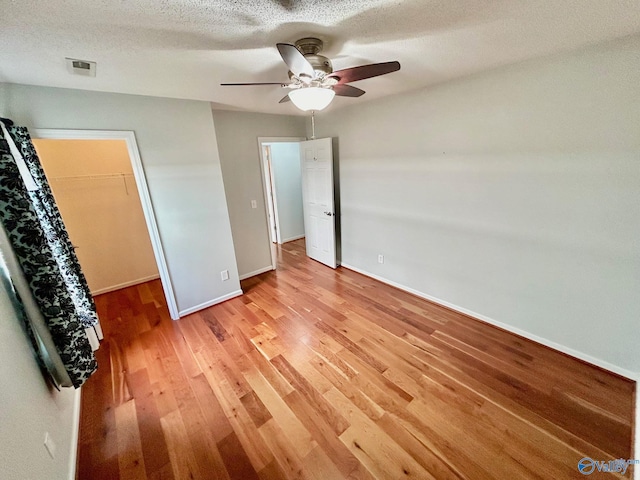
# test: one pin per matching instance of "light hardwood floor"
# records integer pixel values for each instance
(324, 374)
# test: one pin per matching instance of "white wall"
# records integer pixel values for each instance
(179, 153)
(287, 176)
(237, 134)
(29, 407)
(514, 194)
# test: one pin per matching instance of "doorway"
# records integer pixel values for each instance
(282, 183)
(99, 185)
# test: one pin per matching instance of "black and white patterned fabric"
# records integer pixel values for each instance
(42, 246)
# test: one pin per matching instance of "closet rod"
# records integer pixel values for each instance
(91, 177)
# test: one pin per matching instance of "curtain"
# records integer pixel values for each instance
(42, 248)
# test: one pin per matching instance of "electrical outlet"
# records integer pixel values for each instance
(254, 204)
(50, 445)
(224, 275)
(380, 258)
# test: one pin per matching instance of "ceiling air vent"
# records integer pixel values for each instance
(81, 67)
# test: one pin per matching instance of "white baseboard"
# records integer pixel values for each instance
(210, 303)
(291, 239)
(75, 434)
(256, 272)
(549, 343)
(113, 288)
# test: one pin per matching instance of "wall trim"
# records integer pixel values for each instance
(291, 239)
(145, 198)
(523, 333)
(75, 435)
(210, 303)
(256, 272)
(125, 284)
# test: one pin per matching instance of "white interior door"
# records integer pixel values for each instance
(318, 200)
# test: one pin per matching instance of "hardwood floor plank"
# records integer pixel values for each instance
(377, 451)
(352, 347)
(243, 426)
(165, 473)
(236, 460)
(154, 446)
(327, 374)
(183, 461)
(273, 376)
(256, 409)
(318, 466)
(278, 409)
(206, 452)
(322, 433)
(430, 461)
(214, 417)
(284, 451)
(344, 385)
(130, 457)
(312, 396)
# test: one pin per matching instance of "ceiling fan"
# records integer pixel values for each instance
(313, 83)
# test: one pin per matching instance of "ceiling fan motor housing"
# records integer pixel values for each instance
(310, 47)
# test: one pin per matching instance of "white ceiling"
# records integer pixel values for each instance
(186, 48)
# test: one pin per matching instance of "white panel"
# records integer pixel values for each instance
(308, 154)
(313, 234)
(311, 189)
(325, 232)
(319, 187)
(321, 154)
(325, 188)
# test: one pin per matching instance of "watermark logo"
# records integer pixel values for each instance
(587, 466)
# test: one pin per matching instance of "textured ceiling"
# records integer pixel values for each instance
(185, 48)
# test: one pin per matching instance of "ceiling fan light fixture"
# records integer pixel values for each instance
(312, 98)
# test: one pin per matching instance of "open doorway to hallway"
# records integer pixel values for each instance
(282, 182)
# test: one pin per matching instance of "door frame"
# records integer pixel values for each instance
(143, 190)
(272, 200)
(261, 142)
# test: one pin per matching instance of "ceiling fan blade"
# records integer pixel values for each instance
(295, 60)
(354, 74)
(347, 91)
(285, 99)
(258, 83)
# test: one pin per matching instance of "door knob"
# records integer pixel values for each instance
(329, 214)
